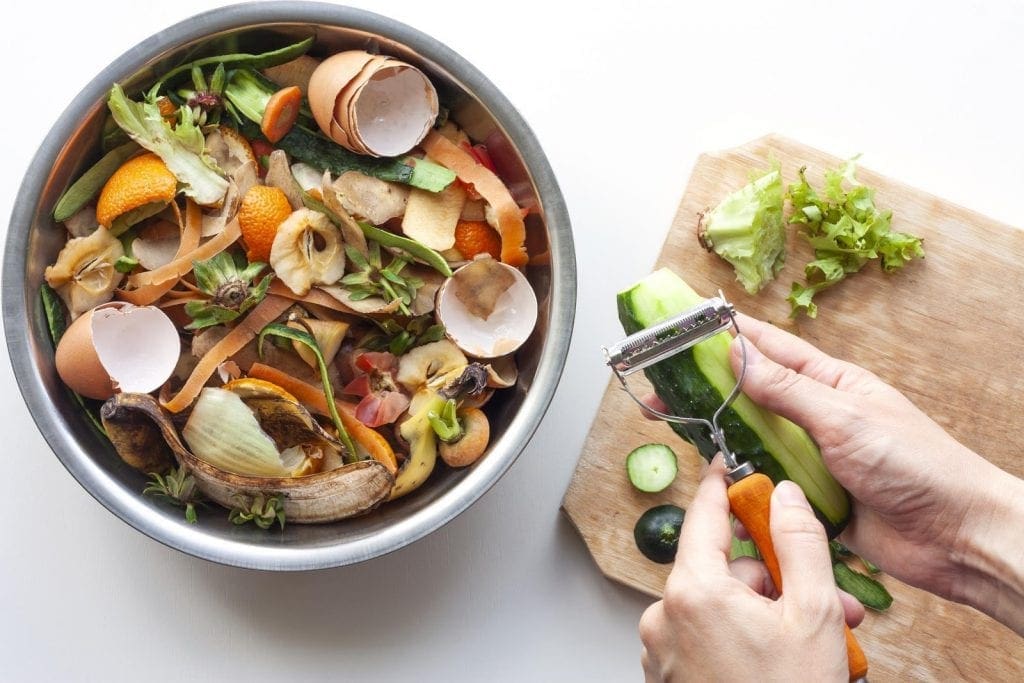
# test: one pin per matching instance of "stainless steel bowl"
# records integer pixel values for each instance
(33, 242)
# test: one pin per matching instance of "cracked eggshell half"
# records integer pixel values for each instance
(488, 308)
(327, 82)
(118, 347)
(372, 104)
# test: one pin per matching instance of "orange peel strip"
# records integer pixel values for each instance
(183, 264)
(258, 318)
(193, 225)
(489, 186)
(313, 398)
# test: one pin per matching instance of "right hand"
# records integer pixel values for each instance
(915, 489)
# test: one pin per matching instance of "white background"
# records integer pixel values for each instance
(623, 97)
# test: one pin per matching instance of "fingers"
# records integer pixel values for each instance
(792, 352)
(655, 403)
(706, 536)
(853, 610)
(802, 549)
(785, 391)
(753, 573)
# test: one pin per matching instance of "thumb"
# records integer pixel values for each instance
(782, 390)
(801, 547)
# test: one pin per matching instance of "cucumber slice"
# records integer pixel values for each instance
(652, 467)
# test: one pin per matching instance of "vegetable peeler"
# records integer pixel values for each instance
(749, 491)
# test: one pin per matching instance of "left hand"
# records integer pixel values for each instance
(716, 621)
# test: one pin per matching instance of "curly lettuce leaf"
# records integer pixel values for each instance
(182, 148)
(746, 229)
(846, 230)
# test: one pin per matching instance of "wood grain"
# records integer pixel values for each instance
(948, 331)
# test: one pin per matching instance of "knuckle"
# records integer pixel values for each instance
(824, 607)
(682, 601)
(800, 529)
(783, 379)
(650, 624)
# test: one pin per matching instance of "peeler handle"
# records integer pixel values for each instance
(750, 501)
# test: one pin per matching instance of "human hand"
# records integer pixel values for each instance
(716, 621)
(917, 493)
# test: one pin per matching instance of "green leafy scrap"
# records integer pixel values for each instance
(747, 230)
(178, 487)
(261, 510)
(846, 230)
(230, 283)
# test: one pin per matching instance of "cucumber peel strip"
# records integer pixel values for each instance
(91, 182)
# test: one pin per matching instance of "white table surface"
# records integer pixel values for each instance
(623, 96)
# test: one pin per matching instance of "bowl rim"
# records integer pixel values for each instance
(130, 508)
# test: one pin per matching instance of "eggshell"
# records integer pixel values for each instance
(329, 79)
(508, 323)
(118, 346)
(77, 363)
(392, 110)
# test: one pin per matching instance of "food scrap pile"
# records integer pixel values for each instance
(291, 282)
(842, 224)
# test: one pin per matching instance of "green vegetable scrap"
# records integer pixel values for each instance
(846, 230)
(178, 487)
(182, 147)
(371, 278)
(261, 510)
(746, 229)
(867, 590)
(229, 284)
(307, 339)
(392, 336)
(91, 182)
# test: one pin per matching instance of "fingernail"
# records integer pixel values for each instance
(789, 494)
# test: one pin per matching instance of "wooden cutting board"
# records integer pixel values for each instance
(948, 331)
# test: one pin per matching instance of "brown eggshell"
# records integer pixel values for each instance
(78, 364)
(329, 79)
(391, 108)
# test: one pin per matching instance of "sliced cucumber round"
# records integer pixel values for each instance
(652, 467)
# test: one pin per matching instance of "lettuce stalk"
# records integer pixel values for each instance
(746, 229)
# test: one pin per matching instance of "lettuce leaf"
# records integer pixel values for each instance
(846, 230)
(746, 229)
(182, 148)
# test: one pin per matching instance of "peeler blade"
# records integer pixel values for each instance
(667, 338)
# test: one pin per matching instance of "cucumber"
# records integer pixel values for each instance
(657, 532)
(870, 592)
(694, 383)
(651, 467)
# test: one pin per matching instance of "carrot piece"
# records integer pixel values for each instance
(143, 296)
(281, 112)
(313, 398)
(258, 318)
(509, 217)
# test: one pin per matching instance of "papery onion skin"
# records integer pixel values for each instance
(224, 432)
